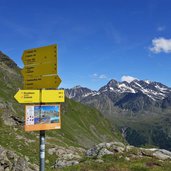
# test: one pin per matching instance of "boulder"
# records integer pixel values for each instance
(64, 163)
(11, 161)
(160, 155)
(103, 152)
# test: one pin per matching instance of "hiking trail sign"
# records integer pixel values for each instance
(31, 71)
(40, 96)
(40, 73)
(36, 56)
(41, 82)
(40, 70)
(28, 96)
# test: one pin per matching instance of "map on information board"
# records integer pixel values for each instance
(42, 117)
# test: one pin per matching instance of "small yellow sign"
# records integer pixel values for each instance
(28, 96)
(40, 55)
(42, 82)
(52, 96)
(31, 71)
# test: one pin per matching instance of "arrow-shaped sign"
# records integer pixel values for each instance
(42, 82)
(28, 96)
(32, 71)
(34, 96)
(40, 55)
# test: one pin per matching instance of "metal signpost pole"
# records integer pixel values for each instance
(42, 140)
(42, 150)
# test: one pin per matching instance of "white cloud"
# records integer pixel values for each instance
(102, 76)
(128, 78)
(97, 77)
(161, 28)
(161, 45)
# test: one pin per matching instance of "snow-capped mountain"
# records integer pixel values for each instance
(136, 95)
(78, 93)
(154, 90)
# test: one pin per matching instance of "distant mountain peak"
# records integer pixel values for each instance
(77, 87)
(147, 81)
(112, 83)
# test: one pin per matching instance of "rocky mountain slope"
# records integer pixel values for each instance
(10, 81)
(135, 96)
(113, 156)
(141, 109)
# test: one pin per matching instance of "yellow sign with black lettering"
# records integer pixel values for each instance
(52, 96)
(44, 54)
(40, 96)
(42, 82)
(28, 96)
(31, 71)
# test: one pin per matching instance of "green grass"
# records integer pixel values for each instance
(115, 163)
(82, 126)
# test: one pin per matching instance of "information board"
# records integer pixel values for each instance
(42, 117)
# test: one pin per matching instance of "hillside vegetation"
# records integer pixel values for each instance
(81, 126)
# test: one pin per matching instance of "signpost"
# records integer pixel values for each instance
(40, 96)
(28, 96)
(31, 71)
(41, 82)
(40, 55)
(40, 68)
(40, 73)
(51, 96)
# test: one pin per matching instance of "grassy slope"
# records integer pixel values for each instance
(151, 130)
(115, 163)
(83, 126)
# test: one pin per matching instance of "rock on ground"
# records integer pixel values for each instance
(10, 161)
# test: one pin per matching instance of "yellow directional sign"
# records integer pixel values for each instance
(34, 96)
(28, 96)
(52, 96)
(42, 82)
(31, 71)
(40, 55)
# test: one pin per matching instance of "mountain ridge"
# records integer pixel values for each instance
(155, 93)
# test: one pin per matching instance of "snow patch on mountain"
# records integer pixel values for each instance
(126, 88)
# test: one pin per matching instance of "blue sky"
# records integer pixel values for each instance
(98, 40)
